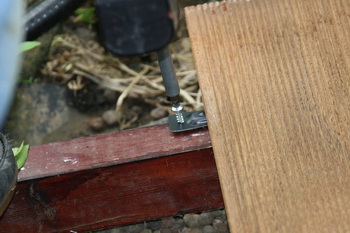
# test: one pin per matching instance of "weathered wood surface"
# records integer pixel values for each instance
(109, 149)
(112, 180)
(275, 77)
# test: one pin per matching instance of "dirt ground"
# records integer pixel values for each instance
(98, 92)
(131, 87)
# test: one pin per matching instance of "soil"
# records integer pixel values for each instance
(76, 64)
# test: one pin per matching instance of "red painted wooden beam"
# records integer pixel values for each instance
(114, 179)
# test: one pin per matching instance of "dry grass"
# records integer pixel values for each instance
(72, 61)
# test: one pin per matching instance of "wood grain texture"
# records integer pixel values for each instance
(116, 195)
(276, 86)
(109, 149)
(112, 180)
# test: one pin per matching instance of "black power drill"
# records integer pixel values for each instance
(130, 28)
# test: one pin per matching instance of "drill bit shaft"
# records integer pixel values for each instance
(170, 82)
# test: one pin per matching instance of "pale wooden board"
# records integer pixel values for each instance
(275, 78)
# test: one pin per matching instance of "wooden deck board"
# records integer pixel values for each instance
(275, 78)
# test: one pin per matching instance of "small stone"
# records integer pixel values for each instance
(158, 113)
(123, 229)
(167, 222)
(110, 96)
(146, 231)
(136, 228)
(154, 225)
(191, 220)
(220, 226)
(208, 229)
(110, 117)
(195, 230)
(178, 224)
(224, 214)
(216, 221)
(97, 124)
(166, 230)
(185, 230)
(216, 213)
(156, 231)
(221, 218)
(205, 219)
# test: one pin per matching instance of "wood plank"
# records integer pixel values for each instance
(66, 187)
(275, 78)
(109, 149)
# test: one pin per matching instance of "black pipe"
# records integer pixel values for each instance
(46, 14)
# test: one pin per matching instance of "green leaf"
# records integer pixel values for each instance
(28, 45)
(21, 154)
(86, 14)
(30, 80)
(16, 150)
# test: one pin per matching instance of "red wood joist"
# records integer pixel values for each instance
(114, 179)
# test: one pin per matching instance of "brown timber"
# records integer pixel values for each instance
(275, 78)
(114, 179)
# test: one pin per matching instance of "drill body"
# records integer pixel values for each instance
(135, 27)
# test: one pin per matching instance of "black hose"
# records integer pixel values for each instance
(46, 14)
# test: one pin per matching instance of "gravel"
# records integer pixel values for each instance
(167, 222)
(191, 220)
(110, 117)
(208, 229)
(206, 222)
(195, 230)
(146, 231)
(220, 226)
(154, 225)
(178, 225)
(205, 219)
(97, 124)
(136, 228)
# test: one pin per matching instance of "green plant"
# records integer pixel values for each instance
(86, 14)
(28, 45)
(31, 80)
(21, 154)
